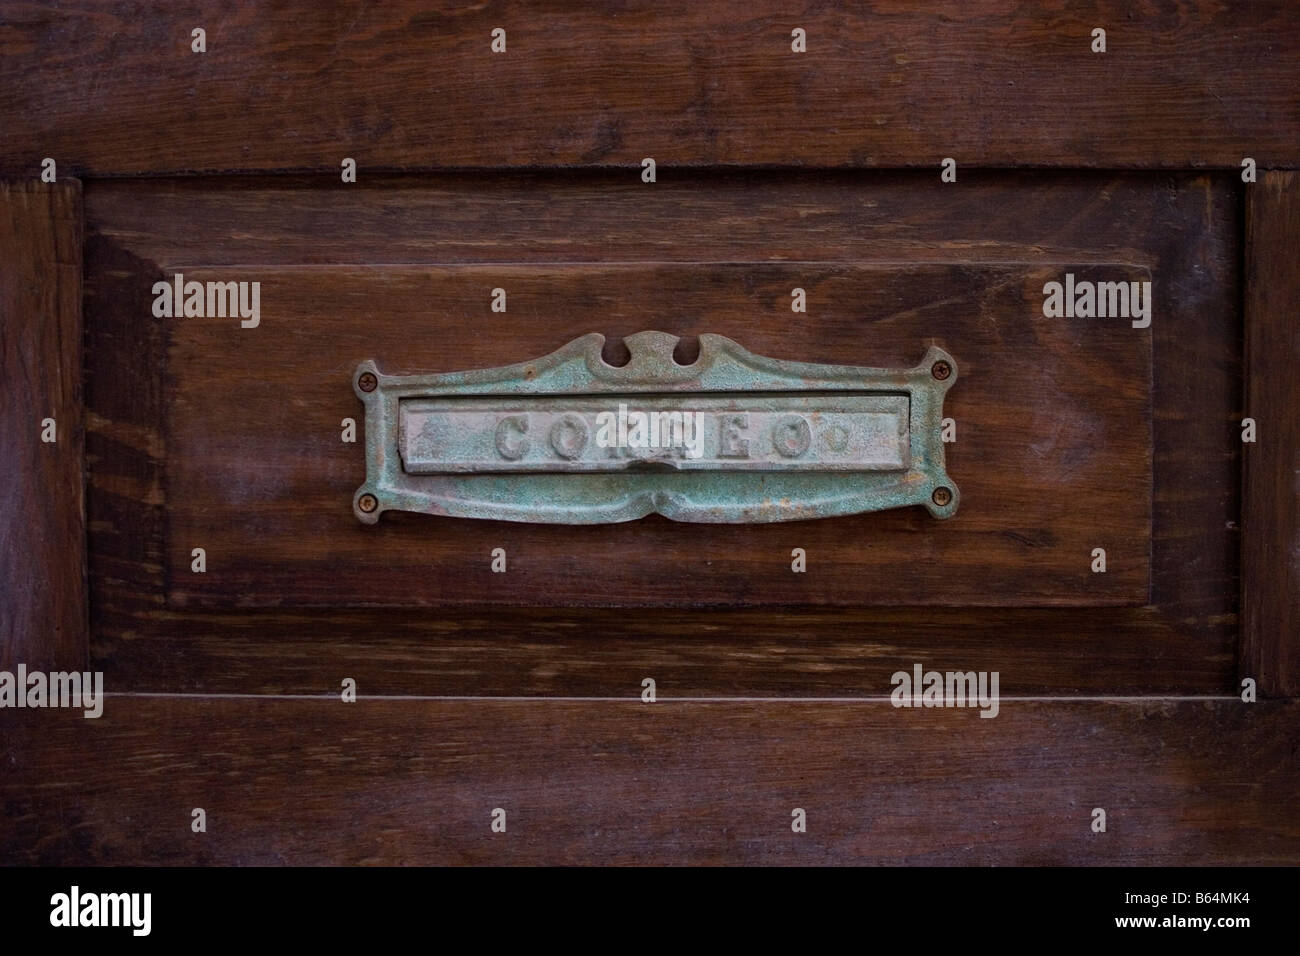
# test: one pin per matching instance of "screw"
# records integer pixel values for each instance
(368, 503)
(367, 382)
(941, 370)
(942, 497)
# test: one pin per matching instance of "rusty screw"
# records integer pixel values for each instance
(367, 382)
(942, 497)
(368, 503)
(941, 370)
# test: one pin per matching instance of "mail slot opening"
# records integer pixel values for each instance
(763, 432)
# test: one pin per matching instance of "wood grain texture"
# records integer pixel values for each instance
(111, 88)
(1178, 228)
(546, 652)
(1270, 636)
(599, 216)
(1053, 453)
(414, 782)
(43, 615)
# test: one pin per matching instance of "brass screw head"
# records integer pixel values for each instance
(367, 382)
(368, 503)
(941, 370)
(942, 497)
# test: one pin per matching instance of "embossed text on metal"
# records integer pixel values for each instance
(848, 432)
(732, 437)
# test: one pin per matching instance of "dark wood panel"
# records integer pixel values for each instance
(1270, 637)
(125, 445)
(1053, 450)
(43, 616)
(1180, 228)
(382, 781)
(109, 88)
(800, 651)
(599, 216)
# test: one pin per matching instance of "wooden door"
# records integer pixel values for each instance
(1124, 559)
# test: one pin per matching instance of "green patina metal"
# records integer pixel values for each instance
(732, 437)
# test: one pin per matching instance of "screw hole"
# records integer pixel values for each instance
(941, 370)
(942, 497)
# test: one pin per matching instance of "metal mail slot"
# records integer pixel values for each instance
(732, 437)
(738, 432)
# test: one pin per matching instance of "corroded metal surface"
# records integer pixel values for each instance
(733, 437)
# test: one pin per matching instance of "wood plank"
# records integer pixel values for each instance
(300, 86)
(598, 216)
(1053, 453)
(43, 612)
(1178, 227)
(410, 781)
(800, 651)
(1270, 636)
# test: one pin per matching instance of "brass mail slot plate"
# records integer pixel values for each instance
(732, 437)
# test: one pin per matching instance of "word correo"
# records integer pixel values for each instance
(200, 300)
